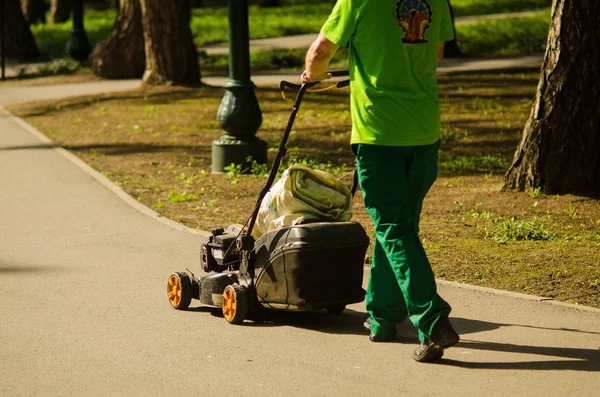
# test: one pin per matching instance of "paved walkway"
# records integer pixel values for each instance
(84, 312)
(10, 94)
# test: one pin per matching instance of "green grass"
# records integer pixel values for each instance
(463, 8)
(515, 36)
(465, 165)
(52, 39)
(512, 229)
(209, 25)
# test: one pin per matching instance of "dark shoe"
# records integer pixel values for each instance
(378, 338)
(427, 353)
(443, 334)
(442, 337)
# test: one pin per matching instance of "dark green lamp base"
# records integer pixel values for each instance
(237, 150)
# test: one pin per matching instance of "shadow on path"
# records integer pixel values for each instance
(28, 147)
(351, 322)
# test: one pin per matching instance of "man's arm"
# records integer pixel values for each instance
(440, 51)
(317, 58)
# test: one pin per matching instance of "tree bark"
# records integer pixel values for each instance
(171, 56)
(122, 54)
(19, 42)
(60, 11)
(34, 11)
(560, 148)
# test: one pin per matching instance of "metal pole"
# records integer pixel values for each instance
(239, 114)
(2, 47)
(78, 45)
(239, 42)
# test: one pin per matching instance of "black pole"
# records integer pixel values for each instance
(78, 46)
(2, 48)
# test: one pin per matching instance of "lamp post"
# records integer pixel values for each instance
(239, 114)
(78, 46)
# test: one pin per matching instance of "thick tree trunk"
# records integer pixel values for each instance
(122, 54)
(60, 11)
(34, 11)
(171, 56)
(560, 149)
(19, 43)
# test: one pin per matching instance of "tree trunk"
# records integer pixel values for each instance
(19, 43)
(560, 149)
(60, 11)
(34, 11)
(171, 56)
(122, 54)
(451, 49)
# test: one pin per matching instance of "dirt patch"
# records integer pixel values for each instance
(156, 144)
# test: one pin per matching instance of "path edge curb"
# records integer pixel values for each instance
(103, 180)
(516, 295)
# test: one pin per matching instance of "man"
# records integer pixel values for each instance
(394, 49)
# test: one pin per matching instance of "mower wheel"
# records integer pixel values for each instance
(235, 303)
(333, 310)
(179, 290)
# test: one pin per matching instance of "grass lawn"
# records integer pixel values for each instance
(155, 143)
(463, 8)
(513, 36)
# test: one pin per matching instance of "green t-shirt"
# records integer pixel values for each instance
(393, 61)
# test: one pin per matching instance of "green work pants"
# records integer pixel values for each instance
(394, 182)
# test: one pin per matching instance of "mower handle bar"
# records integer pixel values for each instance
(301, 89)
(296, 87)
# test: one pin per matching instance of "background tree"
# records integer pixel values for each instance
(451, 49)
(122, 54)
(34, 11)
(60, 11)
(171, 56)
(19, 43)
(560, 149)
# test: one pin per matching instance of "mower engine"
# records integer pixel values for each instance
(220, 253)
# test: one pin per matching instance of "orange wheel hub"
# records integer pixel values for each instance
(174, 290)
(229, 304)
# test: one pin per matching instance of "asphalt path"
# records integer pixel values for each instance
(84, 312)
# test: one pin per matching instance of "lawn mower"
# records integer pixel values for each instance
(305, 267)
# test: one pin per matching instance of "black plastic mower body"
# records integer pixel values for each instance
(302, 267)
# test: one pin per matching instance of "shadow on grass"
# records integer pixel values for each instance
(151, 97)
(135, 148)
